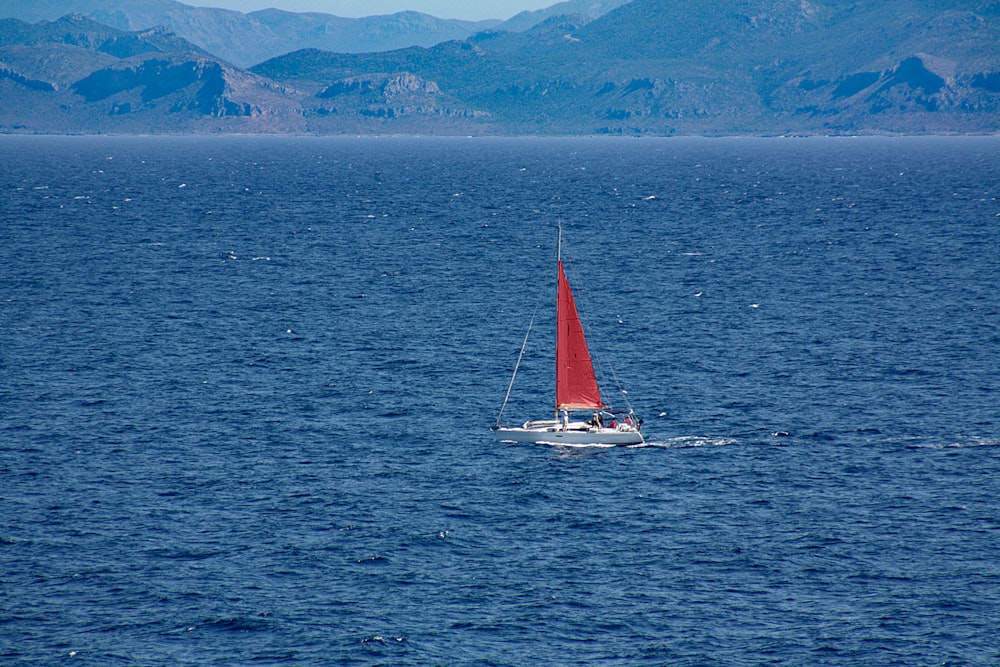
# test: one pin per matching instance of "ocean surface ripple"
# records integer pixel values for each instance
(247, 385)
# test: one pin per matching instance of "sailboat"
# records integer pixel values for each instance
(576, 388)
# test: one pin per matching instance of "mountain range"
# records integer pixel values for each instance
(646, 67)
(245, 39)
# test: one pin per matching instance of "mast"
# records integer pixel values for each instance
(559, 244)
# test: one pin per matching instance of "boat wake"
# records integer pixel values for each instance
(598, 445)
(681, 442)
(686, 441)
(950, 443)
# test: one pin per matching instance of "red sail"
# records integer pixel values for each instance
(576, 386)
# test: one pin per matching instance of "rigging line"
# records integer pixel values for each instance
(524, 346)
(527, 333)
(621, 391)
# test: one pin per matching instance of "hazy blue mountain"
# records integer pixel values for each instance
(247, 38)
(647, 67)
(590, 9)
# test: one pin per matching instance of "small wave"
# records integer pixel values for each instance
(236, 623)
(379, 639)
(372, 560)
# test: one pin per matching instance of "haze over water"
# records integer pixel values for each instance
(247, 385)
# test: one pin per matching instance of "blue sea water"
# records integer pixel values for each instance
(246, 386)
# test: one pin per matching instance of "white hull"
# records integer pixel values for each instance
(556, 435)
